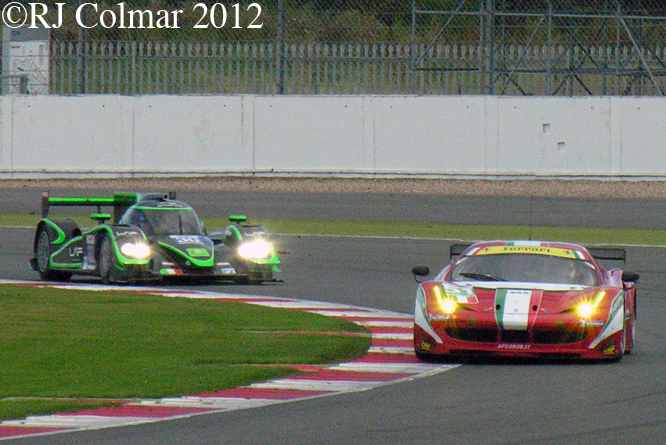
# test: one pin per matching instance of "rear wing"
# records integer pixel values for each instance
(119, 201)
(599, 253)
(457, 249)
(608, 253)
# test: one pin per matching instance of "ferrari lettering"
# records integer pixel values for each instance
(551, 251)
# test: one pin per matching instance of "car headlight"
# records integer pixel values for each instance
(258, 248)
(138, 250)
(585, 309)
(447, 304)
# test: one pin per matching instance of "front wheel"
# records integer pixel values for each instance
(43, 255)
(106, 261)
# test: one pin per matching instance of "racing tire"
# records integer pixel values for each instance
(424, 356)
(623, 346)
(633, 338)
(43, 253)
(106, 260)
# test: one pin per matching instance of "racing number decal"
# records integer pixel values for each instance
(186, 239)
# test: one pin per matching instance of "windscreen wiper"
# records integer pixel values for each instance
(481, 276)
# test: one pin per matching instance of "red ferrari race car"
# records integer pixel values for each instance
(526, 299)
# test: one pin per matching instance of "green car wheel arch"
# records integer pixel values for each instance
(48, 236)
(111, 263)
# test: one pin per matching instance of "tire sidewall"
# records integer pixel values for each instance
(105, 260)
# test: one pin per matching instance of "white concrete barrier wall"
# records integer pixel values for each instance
(430, 135)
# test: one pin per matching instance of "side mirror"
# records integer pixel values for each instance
(631, 277)
(421, 271)
(237, 219)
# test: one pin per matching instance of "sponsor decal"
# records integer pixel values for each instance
(170, 205)
(127, 233)
(535, 250)
(425, 346)
(186, 239)
(198, 252)
(610, 350)
(614, 323)
(75, 252)
(591, 323)
(519, 346)
(89, 262)
(462, 295)
(227, 270)
(435, 317)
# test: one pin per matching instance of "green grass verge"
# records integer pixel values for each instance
(59, 344)
(422, 230)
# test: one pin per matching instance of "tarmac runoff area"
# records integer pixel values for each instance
(389, 360)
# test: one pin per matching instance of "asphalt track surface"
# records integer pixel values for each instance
(478, 403)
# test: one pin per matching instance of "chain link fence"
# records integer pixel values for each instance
(497, 47)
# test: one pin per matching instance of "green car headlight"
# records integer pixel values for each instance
(255, 249)
(135, 250)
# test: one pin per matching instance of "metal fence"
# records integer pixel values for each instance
(507, 47)
(132, 68)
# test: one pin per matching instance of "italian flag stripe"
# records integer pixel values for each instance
(512, 308)
(500, 300)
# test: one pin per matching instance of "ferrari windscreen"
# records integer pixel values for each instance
(525, 268)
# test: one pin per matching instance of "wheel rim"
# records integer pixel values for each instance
(43, 252)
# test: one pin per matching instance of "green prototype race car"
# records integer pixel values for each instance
(152, 236)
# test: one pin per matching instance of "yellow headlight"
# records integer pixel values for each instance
(448, 306)
(585, 309)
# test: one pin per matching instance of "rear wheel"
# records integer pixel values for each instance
(43, 254)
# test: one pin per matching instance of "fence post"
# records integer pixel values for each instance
(81, 57)
(281, 44)
(489, 40)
